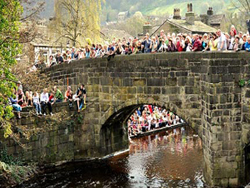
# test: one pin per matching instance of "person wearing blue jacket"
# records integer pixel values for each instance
(247, 44)
(16, 106)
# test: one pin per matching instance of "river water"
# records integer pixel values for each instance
(168, 159)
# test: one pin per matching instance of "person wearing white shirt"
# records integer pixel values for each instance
(36, 103)
(222, 44)
(149, 119)
(165, 119)
(44, 98)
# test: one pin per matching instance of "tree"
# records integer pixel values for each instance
(10, 13)
(132, 25)
(108, 19)
(76, 20)
(243, 7)
(31, 10)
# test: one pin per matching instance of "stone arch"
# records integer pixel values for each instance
(114, 133)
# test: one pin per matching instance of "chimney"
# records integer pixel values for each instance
(189, 7)
(147, 28)
(177, 14)
(210, 11)
(190, 18)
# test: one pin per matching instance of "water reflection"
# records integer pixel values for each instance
(167, 159)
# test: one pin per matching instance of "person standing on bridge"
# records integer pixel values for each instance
(197, 46)
(73, 53)
(147, 44)
(247, 44)
(222, 44)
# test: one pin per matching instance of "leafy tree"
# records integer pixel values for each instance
(241, 14)
(243, 6)
(31, 10)
(10, 12)
(76, 20)
(132, 25)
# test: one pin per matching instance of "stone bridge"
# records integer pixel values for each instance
(202, 88)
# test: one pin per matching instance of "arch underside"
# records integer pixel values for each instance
(114, 133)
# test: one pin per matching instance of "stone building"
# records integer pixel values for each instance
(43, 51)
(189, 24)
(122, 16)
(214, 20)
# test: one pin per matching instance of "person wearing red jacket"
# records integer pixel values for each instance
(197, 43)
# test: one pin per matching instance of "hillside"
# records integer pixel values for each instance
(160, 7)
(199, 7)
(111, 8)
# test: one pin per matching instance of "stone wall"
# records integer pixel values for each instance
(52, 139)
(202, 88)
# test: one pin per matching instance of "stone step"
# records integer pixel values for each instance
(29, 111)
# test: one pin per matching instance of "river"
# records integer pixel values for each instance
(170, 158)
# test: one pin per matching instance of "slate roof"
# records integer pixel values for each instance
(216, 19)
(198, 26)
(110, 33)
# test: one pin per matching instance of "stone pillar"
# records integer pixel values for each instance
(221, 121)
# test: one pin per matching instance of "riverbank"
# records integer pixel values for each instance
(158, 130)
(13, 175)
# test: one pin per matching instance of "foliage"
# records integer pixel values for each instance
(237, 13)
(8, 159)
(80, 119)
(10, 12)
(242, 83)
(12, 170)
(243, 6)
(14, 174)
(133, 25)
(76, 20)
(232, 18)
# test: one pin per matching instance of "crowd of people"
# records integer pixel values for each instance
(46, 99)
(150, 117)
(164, 42)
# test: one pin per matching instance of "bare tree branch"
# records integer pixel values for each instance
(36, 11)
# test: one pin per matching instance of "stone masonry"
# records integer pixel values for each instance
(202, 88)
